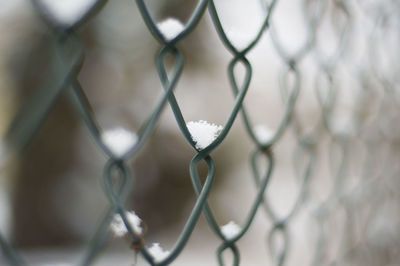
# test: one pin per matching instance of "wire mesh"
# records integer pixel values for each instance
(358, 125)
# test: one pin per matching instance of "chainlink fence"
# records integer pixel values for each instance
(352, 139)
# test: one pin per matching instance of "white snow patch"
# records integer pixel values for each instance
(118, 227)
(263, 133)
(203, 133)
(119, 140)
(170, 28)
(157, 252)
(239, 39)
(67, 12)
(230, 230)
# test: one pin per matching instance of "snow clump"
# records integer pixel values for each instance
(118, 227)
(203, 133)
(157, 252)
(230, 230)
(170, 28)
(239, 39)
(119, 140)
(67, 12)
(263, 133)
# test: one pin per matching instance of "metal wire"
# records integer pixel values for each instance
(117, 177)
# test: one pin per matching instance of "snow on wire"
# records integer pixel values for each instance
(340, 127)
(118, 227)
(119, 140)
(203, 133)
(170, 28)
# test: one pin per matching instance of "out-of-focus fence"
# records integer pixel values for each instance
(356, 127)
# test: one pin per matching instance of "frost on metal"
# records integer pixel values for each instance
(67, 12)
(157, 252)
(170, 28)
(118, 140)
(263, 133)
(203, 133)
(230, 230)
(118, 227)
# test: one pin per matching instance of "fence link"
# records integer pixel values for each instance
(343, 132)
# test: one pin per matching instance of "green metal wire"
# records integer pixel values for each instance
(67, 57)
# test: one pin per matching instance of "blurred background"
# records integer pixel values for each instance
(51, 196)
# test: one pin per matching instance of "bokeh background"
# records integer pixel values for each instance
(51, 197)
